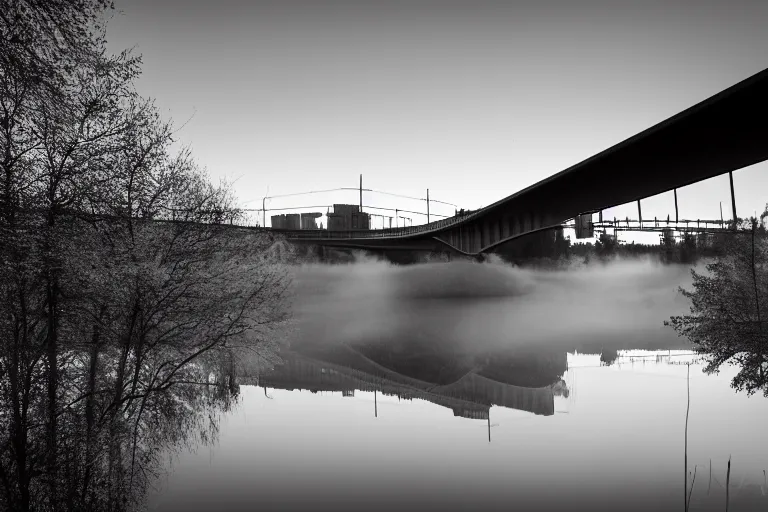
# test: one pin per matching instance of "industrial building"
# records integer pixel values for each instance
(348, 217)
(308, 220)
(286, 221)
(344, 217)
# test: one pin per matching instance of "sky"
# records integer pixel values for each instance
(472, 100)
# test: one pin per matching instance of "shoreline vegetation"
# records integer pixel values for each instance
(728, 320)
(119, 335)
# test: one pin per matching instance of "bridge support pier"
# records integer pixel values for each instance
(733, 199)
(676, 217)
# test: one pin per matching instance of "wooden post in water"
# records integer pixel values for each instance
(728, 485)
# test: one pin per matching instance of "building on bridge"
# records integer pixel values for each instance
(286, 221)
(308, 220)
(296, 221)
(348, 217)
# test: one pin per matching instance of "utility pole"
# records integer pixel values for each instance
(640, 214)
(721, 214)
(361, 193)
(264, 212)
(427, 206)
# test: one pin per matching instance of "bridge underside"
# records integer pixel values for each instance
(724, 133)
(425, 244)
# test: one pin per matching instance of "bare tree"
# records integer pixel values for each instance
(126, 302)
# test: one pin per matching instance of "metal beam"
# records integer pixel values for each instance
(676, 215)
(733, 198)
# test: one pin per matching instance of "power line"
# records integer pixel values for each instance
(305, 193)
(329, 206)
(406, 211)
(355, 189)
(411, 197)
(288, 208)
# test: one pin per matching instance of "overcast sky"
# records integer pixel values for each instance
(473, 100)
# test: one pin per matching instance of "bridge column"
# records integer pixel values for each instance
(733, 198)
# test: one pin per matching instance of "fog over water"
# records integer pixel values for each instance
(490, 305)
(335, 430)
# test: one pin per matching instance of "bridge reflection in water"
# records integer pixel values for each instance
(473, 387)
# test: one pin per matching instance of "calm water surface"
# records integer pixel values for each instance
(615, 443)
(435, 420)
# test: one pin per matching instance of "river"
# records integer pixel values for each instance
(462, 386)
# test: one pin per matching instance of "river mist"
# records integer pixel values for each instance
(491, 305)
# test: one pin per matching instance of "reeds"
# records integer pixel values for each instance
(728, 484)
(690, 492)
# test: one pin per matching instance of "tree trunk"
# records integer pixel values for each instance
(115, 493)
(19, 426)
(52, 297)
(90, 403)
(52, 360)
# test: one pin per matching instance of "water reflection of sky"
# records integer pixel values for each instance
(615, 443)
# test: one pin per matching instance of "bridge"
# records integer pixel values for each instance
(723, 133)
